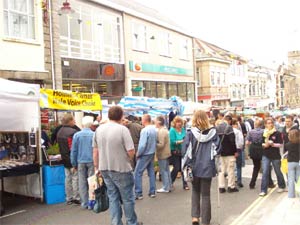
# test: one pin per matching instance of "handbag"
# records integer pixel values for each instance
(101, 197)
(284, 164)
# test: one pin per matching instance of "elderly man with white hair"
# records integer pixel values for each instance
(82, 157)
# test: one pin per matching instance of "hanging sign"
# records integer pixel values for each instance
(67, 100)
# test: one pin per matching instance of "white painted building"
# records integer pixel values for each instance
(22, 55)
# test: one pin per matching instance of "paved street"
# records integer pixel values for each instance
(172, 208)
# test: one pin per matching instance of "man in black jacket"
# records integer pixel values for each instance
(64, 140)
(228, 155)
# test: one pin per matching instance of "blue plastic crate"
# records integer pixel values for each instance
(54, 194)
(53, 175)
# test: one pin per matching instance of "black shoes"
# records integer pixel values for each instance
(222, 190)
(240, 185)
(231, 190)
(76, 202)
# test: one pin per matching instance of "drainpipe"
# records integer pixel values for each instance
(51, 45)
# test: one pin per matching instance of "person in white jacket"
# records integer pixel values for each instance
(239, 142)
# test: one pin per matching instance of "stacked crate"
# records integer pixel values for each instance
(54, 184)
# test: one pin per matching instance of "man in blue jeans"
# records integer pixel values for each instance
(113, 152)
(82, 157)
(145, 158)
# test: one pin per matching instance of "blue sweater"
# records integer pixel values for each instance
(147, 143)
(82, 150)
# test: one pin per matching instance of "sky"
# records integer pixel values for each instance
(261, 30)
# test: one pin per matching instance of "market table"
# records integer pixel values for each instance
(12, 172)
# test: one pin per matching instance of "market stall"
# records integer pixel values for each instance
(20, 155)
(63, 101)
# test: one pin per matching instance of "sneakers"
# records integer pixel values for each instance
(161, 190)
(280, 190)
(262, 194)
(139, 197)
(231, 190)
(222, 190)
(152, 195)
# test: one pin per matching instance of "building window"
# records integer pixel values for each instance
(139, 37)
(212, 78)
(281, 82)
(186, 91)
(254, 88)
(190, 92)
(198, 78)
(91, 34)
(19, 19)
(182, 91)
(183, 51)
(150, 89)
(224, 79)
(165, 44)
(218, 78)
(161, 90)
(172, 89)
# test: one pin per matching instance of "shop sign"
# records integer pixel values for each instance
(67, 100)
(137, 89)
(155, 68)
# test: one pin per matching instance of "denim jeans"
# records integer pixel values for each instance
(144, 162)
(165, 173)
(266, 162)
(239, 164)
(120, 189)
(85, 170)
(293, 175)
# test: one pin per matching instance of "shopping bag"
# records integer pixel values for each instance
(284, 164)
(101, 197)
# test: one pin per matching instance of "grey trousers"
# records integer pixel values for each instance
(71, 182)
(201, 206)
(85, 170)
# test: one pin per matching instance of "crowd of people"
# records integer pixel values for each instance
(121, 149)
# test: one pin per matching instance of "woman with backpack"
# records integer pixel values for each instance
(204, 142)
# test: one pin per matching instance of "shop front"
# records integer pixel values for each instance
(161, 81)
(215, 100)
(106, 79)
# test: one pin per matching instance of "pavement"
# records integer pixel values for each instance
(273, 209)
(241, 208)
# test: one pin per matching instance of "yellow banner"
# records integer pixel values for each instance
(67, 100)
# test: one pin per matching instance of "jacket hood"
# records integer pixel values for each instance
(201, 137)
(224, 128)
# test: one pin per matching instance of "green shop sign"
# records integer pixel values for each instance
(154, 68)
(137, 89)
